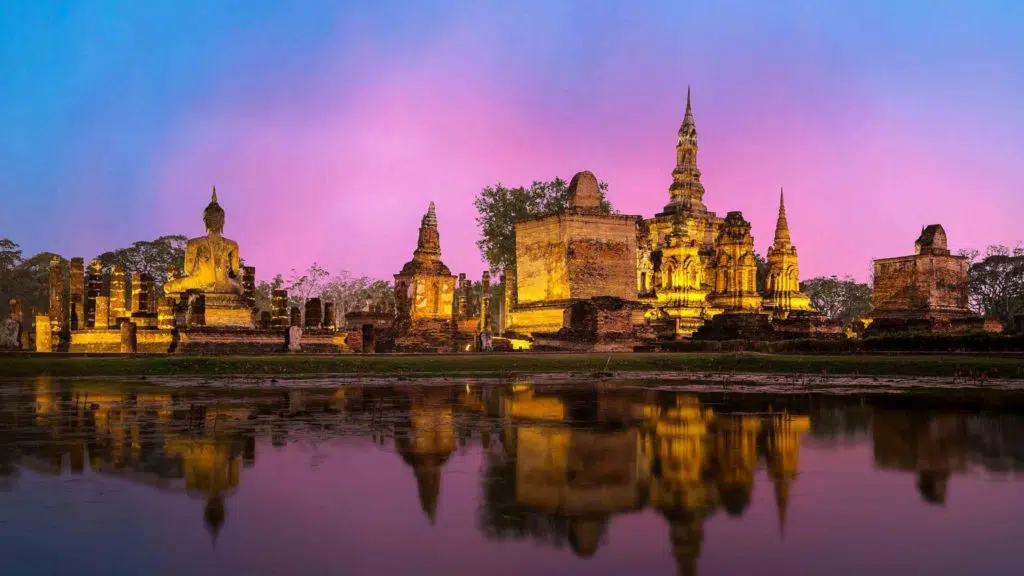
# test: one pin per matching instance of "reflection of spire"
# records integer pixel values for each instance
(213, 515)
(782, 502)
(687, 537)
(428, 483)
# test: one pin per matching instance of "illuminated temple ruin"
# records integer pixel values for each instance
(925, 291)
(583, 279)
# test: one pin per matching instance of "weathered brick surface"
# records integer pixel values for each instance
(575, 256)
(919, 284)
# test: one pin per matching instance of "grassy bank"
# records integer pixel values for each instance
(506, 364)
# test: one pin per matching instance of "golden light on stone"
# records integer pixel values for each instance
(212, 268)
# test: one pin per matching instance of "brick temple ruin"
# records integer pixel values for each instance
(926, 291)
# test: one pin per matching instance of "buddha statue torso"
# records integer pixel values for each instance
(211, 265)
(211, 261)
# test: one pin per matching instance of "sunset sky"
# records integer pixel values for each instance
(328, 127)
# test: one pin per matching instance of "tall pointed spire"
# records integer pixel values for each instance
(429, 243)
(688, 118)
(782, 238)
(213, 198)
(686, 192)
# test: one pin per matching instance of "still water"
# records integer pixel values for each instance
(488, 478)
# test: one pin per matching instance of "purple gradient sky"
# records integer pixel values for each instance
(328, 127)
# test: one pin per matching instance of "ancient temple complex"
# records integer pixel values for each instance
(583, 279)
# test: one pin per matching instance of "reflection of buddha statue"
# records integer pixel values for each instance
(211, 261)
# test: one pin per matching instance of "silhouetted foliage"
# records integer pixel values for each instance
(154, 257)
(841, 299)
(499, 208)
(996, 283)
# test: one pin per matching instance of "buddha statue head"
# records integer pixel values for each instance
(213, 216)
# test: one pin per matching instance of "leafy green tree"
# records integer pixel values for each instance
(265, 292)
(762, 273)
(152, 257)
(841, 299)
(996, 283)
(499, 208)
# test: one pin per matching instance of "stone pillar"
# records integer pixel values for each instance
(279, 311)
(503, 311)
(195, 309)
(76, 304)
(16, 312)
(249, 286)
(57, 316)
(165, 313)
(18, 315)
(461, 305)
(266, 320)
(92, 291)
(329, 320)
(485, 302)
(129, 343)
(295, 338)
(11, 328)
(102, 309)
(143, 294)
(314, 313)
(44, 334)
(295, 317)
(118, 308)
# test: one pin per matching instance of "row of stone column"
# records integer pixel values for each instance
(464, 299)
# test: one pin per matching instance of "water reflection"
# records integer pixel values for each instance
(558, 463)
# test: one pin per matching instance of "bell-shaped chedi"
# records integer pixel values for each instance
(425, 294)
(783, 284)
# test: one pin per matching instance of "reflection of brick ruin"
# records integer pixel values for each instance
(925, 291)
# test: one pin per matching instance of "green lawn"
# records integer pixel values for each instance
(518, 363)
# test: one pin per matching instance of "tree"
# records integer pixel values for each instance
(29, 283)
(150, 257)
(995, 285)
(499, 208)
(265, 292)
(840, 299)
(762, 273)
(350, 292)
(302, 287)
(10, 259)
(10, 255)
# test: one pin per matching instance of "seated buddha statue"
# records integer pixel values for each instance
(211, 261)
